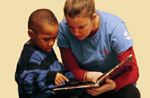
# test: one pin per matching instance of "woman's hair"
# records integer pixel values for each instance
(84, 8)
(40, 17)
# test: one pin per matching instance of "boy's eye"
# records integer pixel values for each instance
(47, 39)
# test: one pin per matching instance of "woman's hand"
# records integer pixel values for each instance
(108, 86)
(60, 78)
(92, 76)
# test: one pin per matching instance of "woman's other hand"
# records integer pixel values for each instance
(108, 86)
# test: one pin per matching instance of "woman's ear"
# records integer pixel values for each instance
(94, 16)
(30, 33)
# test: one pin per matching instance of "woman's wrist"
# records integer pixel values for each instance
(85, 76)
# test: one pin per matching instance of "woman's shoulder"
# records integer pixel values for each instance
(109, 17)
(63, 23)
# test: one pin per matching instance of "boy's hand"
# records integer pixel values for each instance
(60, 78)
(108, 86)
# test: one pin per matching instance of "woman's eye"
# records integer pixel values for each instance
(81, 27)
(71, 27)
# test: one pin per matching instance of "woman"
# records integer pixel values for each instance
(91, 42)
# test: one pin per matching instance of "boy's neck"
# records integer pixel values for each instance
(30, 42)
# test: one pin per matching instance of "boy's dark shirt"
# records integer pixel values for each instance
(36, 71)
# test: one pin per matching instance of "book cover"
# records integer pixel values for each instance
(113, 73)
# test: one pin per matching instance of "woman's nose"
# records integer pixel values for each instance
(76, 32)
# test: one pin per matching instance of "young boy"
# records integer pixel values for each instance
(38, 69)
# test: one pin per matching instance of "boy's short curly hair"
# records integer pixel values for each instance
(40, 17)
(85, 8)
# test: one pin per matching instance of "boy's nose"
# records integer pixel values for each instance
(51, 43)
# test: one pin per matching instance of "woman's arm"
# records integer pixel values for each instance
(129, 77)
(71, 63)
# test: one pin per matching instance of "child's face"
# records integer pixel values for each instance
(45, 38)
(80, 26)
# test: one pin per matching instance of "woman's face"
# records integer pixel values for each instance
(80, 27)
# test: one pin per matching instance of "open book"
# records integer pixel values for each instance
(113, 73)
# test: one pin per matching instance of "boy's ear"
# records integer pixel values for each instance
(30, 33)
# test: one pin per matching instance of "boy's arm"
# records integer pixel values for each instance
(35, 80)
(129, 77)
(33, 77)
